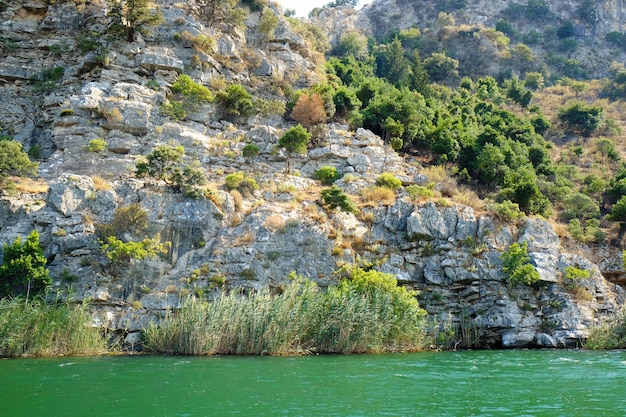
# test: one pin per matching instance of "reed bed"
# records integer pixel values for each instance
(36, 328)
(301, 320)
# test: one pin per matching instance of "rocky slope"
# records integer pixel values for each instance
(448, 251)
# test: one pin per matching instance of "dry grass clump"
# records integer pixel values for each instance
(100, 183)
(469, 198)
(378, 195)
(274, 223)
(29, 185)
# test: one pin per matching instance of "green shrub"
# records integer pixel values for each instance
(240, 182)
(161, 163)
(327, 175)
(506, 211)
(48, 79)
(335, 197)
(174, 109)
(250, 151)
(571, 273)
(418, 192)
(191, 90)
(23, 270)
(389, 181)
(97, 145)
(516, 265)
(236, 101)
(120, 253)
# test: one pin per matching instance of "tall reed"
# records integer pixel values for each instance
(36, 328)
(303, 319)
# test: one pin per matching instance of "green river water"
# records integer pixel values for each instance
(481, 383)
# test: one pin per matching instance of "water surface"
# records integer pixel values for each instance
(485, 383)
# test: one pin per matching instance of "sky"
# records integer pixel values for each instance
(303, 7)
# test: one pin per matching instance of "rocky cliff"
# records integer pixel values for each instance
(448, 251)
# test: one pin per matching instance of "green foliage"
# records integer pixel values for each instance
(351, 44)
(240, 182)
(48, 79)
(566, 30)
(335, 197)
(129, 17)
(418, 192)
(579, 206)
(580, 117)
(236, 101)
(367, 312)
(295, 140)
(537, 10)
(14, 161)
(23, 270)
(121, 253)
(250, 151)
(516, 265)
(571, 273)
(388, 180)
(174, 109)
(507, 211)
(441, 68)
(609, 334)
(36, 328)
(327, 175)
(588, 233)
(268, 22)
(97, 145)
(161, 163)
(191, 90)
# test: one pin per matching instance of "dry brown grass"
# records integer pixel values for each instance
(468, 197)
(376, 195)
(29, 185)
(100, 183)
(274, 223)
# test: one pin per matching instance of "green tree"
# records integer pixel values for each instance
(268, 22)
(441, 68)
(580, 117)
(294, 141)
(352, 44)
(587, 12)
(129, 17)
(236, 101)
(14, 161)
(250, 151)
(23, 270)
(392, 64)
(215, 11)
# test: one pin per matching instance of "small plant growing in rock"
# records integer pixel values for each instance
(97, 145)
(14, 161)
(240, 182)
(418, 192)
(388, 180)
(250, 151)
(335, 197)
(516, 265)
(327, 175)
